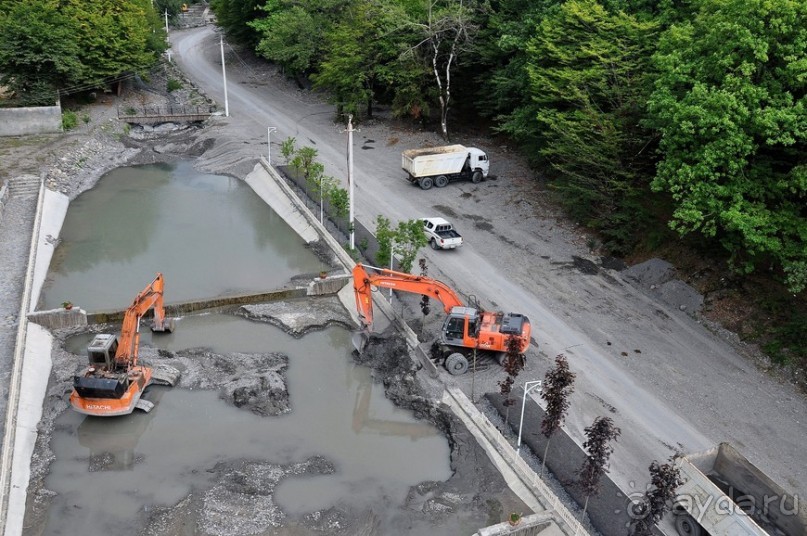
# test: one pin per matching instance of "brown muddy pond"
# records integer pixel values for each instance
(210, 236)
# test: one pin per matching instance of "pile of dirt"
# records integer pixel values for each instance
(240, 502)
(300, 316)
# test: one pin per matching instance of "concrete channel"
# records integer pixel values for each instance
(32, 362)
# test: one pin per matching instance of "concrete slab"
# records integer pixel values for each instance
(263, 185)
(35, 374)
(54, 209)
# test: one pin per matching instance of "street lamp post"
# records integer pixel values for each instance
(528, 386)
(391, 264)
(269, 131)
(224, 76)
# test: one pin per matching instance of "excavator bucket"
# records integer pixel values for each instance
(168, 326)
(360, 339)
(164, 375)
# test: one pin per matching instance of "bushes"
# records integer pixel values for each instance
(69, 120)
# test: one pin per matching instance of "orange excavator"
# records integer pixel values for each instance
(465, 329)
(113, 382)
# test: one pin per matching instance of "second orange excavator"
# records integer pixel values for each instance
(465, 329)
(113, 381)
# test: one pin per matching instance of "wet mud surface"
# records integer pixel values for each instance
(238, 496)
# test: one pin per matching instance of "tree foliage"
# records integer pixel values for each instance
(731, 105)
(589, 78)
(665, 478)
(446, 32)
(236, 16)
(557, 387)
(598, 451)
(361, 56)
(65, 45)
(407, 239)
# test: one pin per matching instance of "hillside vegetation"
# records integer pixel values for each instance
(661, 125)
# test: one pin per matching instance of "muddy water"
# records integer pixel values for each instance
(109, 472)
(211, 235)
(208, 234)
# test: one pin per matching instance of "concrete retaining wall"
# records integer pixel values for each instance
(608, 510)
(330, 285)
(60, 318)
(30, 120)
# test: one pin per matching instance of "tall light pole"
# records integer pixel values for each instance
(224, 75)
(391, 264)
(350, 177)
(167, 40)
(528, 386)
(269, 131)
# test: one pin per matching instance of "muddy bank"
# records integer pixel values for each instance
(299, 317)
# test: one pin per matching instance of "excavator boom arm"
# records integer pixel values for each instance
(151, 296)
(363, 284)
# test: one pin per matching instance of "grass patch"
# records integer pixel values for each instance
(69, 120)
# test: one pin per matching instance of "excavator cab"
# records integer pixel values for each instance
(110, 384)
(101, 351)
(454, 327)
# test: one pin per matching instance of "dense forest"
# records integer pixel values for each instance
(652, 120)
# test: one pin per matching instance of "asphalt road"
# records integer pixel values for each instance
(666, 380)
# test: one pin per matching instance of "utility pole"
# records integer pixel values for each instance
(224, 75)
(350, 177)
(269, 131)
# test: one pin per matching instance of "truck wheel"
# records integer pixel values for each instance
(433, 244)
(476, 177)
(456, 364)
(686, 525)
(441, 181)
(426, 183)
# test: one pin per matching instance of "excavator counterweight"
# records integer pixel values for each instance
(113, 381)
(465, 329)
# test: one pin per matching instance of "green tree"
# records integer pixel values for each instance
(291, 33)
(731, 106)
(589, 78)
(446, 33)
(235, 16)
(304, 162)
(407, 239)
(113, 37)
(38, 50)
(361, 54)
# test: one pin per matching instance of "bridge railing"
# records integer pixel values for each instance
(164, 111)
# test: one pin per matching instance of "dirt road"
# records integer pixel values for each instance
(665, 379)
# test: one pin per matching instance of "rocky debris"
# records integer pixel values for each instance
(262, 390)
(658, 277)
(240, 502)
(328, 521)
(678, 294)
(298, 317)
(79, 170)
(649, 273)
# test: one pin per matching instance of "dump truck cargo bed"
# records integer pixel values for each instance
(724, 494)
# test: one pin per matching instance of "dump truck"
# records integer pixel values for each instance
(437, 166)
(724, 494)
